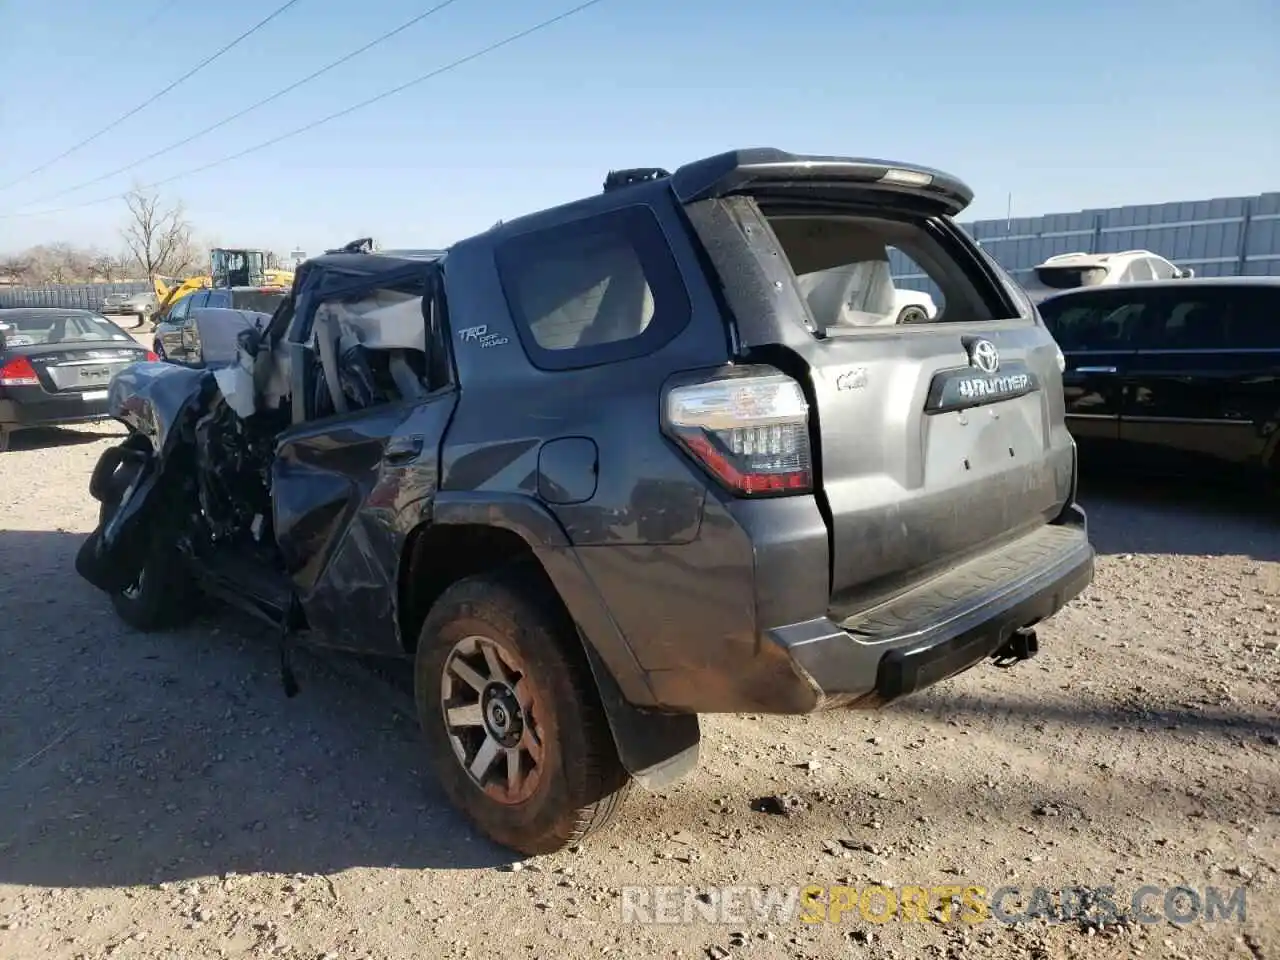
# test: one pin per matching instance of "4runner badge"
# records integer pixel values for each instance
(482, 336)
(984, 356)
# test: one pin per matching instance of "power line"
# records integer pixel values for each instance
(331, 117)
(156, 96)
(249, 109)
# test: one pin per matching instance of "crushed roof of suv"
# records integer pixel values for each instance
(365, 263)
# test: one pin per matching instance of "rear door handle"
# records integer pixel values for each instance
(1095, 370)
(404, 449)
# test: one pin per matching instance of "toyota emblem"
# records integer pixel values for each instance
(984, 356)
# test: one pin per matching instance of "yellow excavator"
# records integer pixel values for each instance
(229, 267)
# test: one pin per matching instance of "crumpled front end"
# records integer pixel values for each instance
(151, 397)
(132, 479)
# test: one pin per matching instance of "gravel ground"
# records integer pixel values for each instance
(159, 796)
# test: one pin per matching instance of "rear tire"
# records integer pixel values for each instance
(164, 595)
(913, 314)
(503, 688)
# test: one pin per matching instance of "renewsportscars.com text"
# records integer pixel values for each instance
(968, 904)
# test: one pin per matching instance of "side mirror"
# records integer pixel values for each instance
(1185, 273)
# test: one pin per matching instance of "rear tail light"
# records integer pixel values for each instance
(18, 372)
(152, 356)
(748, 428)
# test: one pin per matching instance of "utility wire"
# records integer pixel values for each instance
(331, 117)
(156, 96)
(252, 107)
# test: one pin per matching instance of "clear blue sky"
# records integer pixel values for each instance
(1064, 105)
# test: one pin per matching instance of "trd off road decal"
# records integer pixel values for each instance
(480, 335)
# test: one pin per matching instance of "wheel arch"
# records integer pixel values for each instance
(462, 535)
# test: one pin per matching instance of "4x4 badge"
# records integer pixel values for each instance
(984, 355)
(853, 379)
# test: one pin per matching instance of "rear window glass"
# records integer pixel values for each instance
(1093, 324)
(593, 291)
(1068, 278)
(1254, 320)
(845, 268)
(1196, 323)
(37, 329)
(262, 301)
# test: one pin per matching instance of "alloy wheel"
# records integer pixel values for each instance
(492, 715)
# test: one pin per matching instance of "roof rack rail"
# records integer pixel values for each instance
(363, 245)
(617, 179)
(413, 253)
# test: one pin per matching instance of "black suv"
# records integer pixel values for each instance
(1174, 376)
(659, 452)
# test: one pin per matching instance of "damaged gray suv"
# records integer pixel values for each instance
(664, 451)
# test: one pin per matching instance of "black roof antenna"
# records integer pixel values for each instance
(617, 179)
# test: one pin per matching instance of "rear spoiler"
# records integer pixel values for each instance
(766, 170)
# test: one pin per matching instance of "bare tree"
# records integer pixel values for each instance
(15, 268)
(196, 257)
(158, 236)
(107, 267)
(61, 262)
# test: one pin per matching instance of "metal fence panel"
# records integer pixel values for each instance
(69, 296)
(1220, 237)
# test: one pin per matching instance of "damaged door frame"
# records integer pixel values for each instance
(341, 480)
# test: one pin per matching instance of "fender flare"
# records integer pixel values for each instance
(656, 748)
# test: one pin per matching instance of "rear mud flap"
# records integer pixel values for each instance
(657, 749)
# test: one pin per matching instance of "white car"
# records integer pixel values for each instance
(1067, 271)
(914, 306)
(863, 293)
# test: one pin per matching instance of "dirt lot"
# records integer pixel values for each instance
(159, 796)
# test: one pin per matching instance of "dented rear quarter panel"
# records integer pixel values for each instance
(636, 563)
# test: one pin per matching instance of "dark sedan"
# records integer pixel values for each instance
(1173, 376)
(55, 366)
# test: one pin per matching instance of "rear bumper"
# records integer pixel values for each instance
(35, 408)
(943, 627)
(866, 658)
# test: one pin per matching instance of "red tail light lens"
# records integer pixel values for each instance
(18, 372)
(152, 356)
(748, 428)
